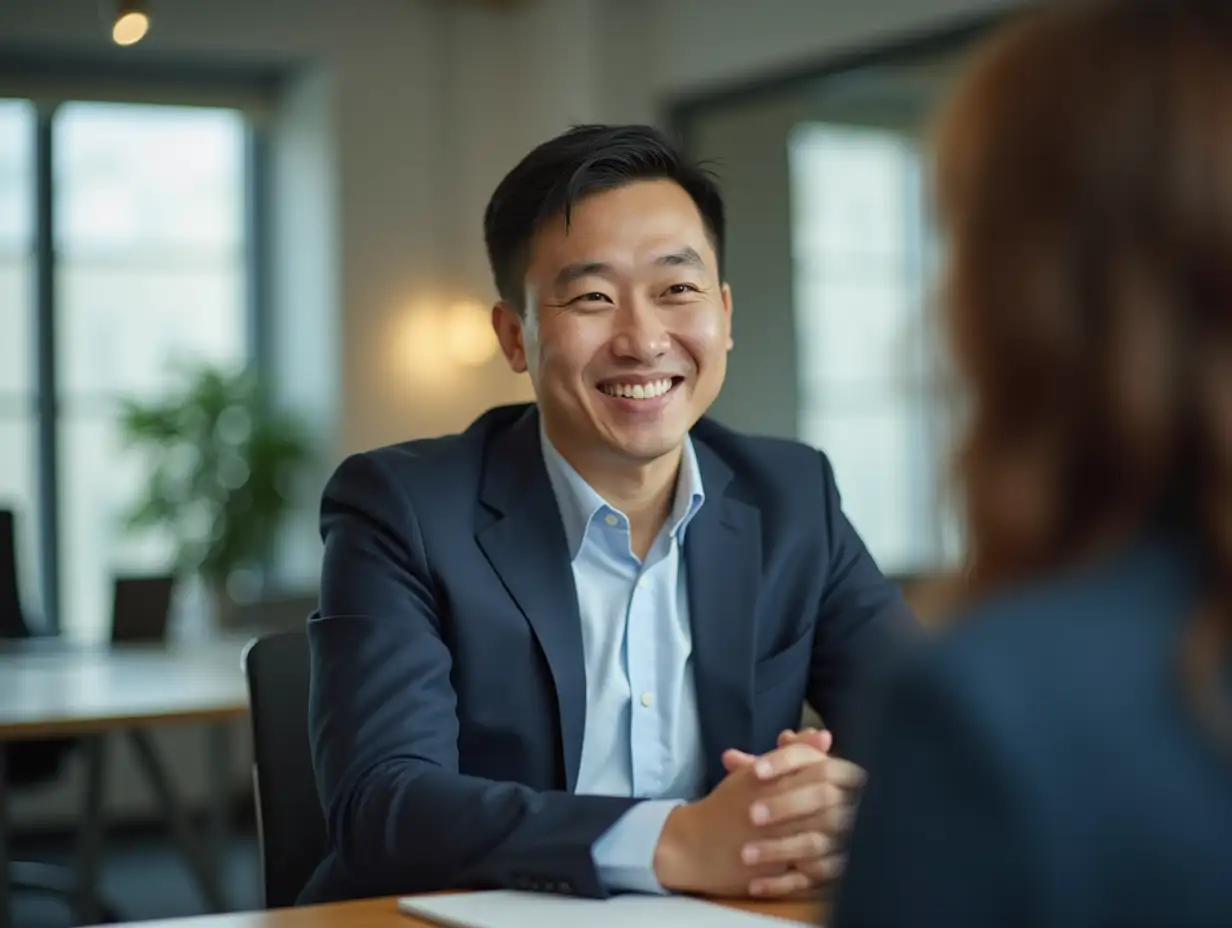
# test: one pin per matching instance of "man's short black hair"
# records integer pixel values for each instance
(585, 160)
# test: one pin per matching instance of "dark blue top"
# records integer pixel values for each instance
(1041, 766)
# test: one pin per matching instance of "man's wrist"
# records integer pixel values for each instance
(673, 855)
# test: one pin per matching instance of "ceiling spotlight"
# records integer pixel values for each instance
(131, 22)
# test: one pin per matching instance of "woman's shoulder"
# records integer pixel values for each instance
(1088, 641)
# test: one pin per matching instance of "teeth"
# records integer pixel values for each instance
(638, 391)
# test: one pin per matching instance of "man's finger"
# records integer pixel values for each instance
(836, 821)
(807, 800)
(821, 739)
(823, 869)
(734, 760)
(793, 849)
(785, 760)
(784, 884)
(844, 774)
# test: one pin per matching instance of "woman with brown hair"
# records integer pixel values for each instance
(1063, 756)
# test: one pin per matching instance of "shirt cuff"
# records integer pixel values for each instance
(624, 855)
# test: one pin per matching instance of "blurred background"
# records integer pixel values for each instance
(249, 242)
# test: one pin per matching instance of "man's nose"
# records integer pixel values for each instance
(640, 334)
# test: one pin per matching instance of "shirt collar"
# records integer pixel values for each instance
(579, 504)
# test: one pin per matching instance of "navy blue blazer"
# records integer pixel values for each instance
(448, 687)
(1040, 766)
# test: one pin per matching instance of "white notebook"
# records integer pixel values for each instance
(513, 909)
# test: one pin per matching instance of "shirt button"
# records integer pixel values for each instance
(647, 699)
(611, 519)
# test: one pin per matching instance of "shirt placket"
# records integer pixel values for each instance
(648, 718)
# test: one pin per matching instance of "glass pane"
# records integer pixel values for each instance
(850, 190)
(19, 492)
(94, 545)
(17, 340)
(16, 175)
(156, 176)
(150, 233)
(888, 490)
(860, 334)
(125, 324)
(16, 266)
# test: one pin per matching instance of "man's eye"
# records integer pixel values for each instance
(678, 289)
(592, 298)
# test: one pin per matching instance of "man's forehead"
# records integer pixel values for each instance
(639, 198)
(652, 245)
(642, 228)
(685, 256)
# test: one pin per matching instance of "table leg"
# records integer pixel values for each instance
(90, 838)
(198, 860)
(6, 896)
(218, 745)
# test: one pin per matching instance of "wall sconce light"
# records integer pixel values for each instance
(469, 338)
(132, 22)
(435, 342)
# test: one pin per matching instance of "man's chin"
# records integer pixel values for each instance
(645, 449)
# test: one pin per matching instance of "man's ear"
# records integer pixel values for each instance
(727, 308)
(507, 323)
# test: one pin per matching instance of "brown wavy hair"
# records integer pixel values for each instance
(1084, 188)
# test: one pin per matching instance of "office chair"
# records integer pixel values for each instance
(31, 763)
(140, 608)
(290, 824)
(12, 621)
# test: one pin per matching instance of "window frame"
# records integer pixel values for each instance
(48, 83)
(683, 114)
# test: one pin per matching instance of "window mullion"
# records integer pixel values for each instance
(46, 392)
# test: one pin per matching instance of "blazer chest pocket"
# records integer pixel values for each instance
(790, 664)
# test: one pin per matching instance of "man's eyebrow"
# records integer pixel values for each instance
(686, 257)
(572, 272)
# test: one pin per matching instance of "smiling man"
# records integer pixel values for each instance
(565, 650)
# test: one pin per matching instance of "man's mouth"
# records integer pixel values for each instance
(648, 390)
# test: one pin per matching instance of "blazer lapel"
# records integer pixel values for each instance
(723, 556)
(525, 543)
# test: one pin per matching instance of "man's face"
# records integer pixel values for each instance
(627, 324)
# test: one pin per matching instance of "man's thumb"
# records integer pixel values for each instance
(821, 740)
(734, 760)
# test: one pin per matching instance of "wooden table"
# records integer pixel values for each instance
(88, 693)
(383, 913)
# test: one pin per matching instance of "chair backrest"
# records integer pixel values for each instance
(12, 622)
(290, 824)
(140, 607)
(26, 763)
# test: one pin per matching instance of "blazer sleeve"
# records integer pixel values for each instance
(383, 722)
(863, 630)
(939, 836)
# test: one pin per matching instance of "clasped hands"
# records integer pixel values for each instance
(774, 826)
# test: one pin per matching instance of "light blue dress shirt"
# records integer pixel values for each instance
(643, 736)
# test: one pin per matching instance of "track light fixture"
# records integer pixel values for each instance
(132, 22)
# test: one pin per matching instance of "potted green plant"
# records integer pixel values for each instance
(224, 469)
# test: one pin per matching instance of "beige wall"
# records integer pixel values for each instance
(419, 106)
(515, 78)
(716, 41)
(403, 119)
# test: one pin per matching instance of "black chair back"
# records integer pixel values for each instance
(27, 763)
(140, 608)
(290, 823)
(12, 622)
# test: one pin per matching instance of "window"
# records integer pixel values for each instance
(18, 421)
(862, 257)
(149, 214)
